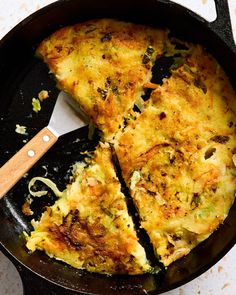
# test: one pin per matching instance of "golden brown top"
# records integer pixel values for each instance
(89, 226)
(176, 156)
(103, 64)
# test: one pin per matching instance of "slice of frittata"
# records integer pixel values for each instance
(89, 226)
(104, 64)
(178, 156)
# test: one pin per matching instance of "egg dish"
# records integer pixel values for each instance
(176, 151)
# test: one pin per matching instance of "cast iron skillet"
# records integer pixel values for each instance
(22, 76)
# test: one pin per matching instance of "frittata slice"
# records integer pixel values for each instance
(103, 64)
(89, 226)
(177, 157)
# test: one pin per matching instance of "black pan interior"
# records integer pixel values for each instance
(22, 76)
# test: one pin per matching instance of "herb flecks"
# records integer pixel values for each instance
(36, 105)
(107, 37)
(91, 29)
(209, 153)
(177, 63)
(199, 84)
(147, 55)
(196, 199)
(162, 115)
(108, 82)
(154, 270)
(103, 92)
(220, 138)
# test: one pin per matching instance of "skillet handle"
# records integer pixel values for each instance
(222, 25)
(24, 159)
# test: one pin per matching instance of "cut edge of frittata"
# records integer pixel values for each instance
(170, 245)
(104, 65)
(89, 227)
(178, 156)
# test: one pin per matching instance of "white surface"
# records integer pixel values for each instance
(219, 280)
(10, 282)
(205, 8)
(232, 7)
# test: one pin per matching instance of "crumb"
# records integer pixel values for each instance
(20, 129)
(43, 94)
(55, 169)
(46, 170)
(77, 140)
(75, 167)
(26, 207)
(36, 105)
(225, 286)
(220, 268)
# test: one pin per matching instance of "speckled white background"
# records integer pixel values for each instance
(219, 280)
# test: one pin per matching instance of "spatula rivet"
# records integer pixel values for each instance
(46, 138)
(31, 153)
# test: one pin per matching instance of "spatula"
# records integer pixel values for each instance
(66, 117)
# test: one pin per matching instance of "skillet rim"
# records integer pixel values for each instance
(18, 28)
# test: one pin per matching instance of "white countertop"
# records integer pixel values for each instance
(220, 279)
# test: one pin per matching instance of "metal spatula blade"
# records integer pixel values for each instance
(66, 117)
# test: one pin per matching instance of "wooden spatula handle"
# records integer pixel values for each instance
(24, 159)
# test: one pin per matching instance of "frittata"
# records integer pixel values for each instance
(104, 64)
(177, 156)
(89, 226)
